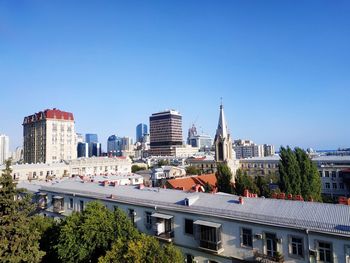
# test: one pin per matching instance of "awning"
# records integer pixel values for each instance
(57, 197)
(163, 216)
(206, 223)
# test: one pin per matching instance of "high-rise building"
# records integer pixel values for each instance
(247, 149)
(141, 130)
(114, 145)
(4, 148)
(165, 132)
(80, 138)
(83, 149)
(95, 149)
(201, 141)
(269, 150)
(91, 137)
(49, 136)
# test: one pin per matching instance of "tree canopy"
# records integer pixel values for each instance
(224, 179)
(298, 174)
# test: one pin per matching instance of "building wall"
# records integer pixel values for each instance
(231, 232)
(4, 148)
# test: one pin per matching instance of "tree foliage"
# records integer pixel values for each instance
(19, 237)
(243, 182)
(298, 174)
(191, 170)
(135, 168)
(224, 179)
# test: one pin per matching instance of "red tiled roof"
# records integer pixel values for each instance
(189, 183)
(49, 114)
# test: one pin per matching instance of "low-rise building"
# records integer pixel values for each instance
(166, 172)
(216, 227)
(80, 166)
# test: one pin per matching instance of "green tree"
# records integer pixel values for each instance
(162, 163)
(243, 182)
(224, 179)
(86, 236)
(135, 168)
(191, 170)
(19, 238)
(298, 175)
(143, 249)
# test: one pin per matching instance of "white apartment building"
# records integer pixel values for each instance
(247, 149)
(49, 136)
(78, 167)
(212, 228)
(4, 148)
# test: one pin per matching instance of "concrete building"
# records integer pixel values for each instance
(78, 167)
(114, 146)
(141, 130)
(201, 141)
(17, 155)
(80, 138)
(91, 137)
(4, 148)
(49, 136)
(166, 172)
(247, 149)
(216, 227)
(186, 151)
(269, 150)
(205, 164)
(165, 133)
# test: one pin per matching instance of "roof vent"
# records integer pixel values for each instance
(188, 201)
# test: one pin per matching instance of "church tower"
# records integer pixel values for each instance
(223, 142)
(223, 145)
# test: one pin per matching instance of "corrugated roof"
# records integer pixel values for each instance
(314, 216)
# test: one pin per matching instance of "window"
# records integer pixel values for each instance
(81, 205)
(148, 220)
(324, 252)
(115, 207)
(341, 185)
(328, 185)
(189, 258)
(296, 246)
(326, 173)
(132, 215)
(334, 185)
(247, 237)
(271, 244)
(320, 173)
(334, 174)
(189, 226)
(70, 203)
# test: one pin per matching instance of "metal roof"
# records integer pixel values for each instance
(163, 216)
(313, 216)
(206, 223)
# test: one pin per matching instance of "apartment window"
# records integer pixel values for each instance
(209, 235)
(326, 173)
(341, 185)
(189, 226)
(324, 252)
(132, 215)
(148, 220)
(296, 246)
(334, 185)
(271, 244)
(247, 237)
(334, 174)
(81, 205)
(70, 203)
(320, 173)
(328, 185)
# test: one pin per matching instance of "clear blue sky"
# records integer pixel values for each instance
(282, 67)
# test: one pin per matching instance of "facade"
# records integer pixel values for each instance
(217, 227)
(77, 167)
(80, 138)
(4, 148)
(203, 142)
(205, 164)
(186, 151)
(141, 130)
(91, 137)
(166, 172)
(83, 149)
(165, 133)
(49, 136)
(114, 145)
(247, 149)
(95, 149)
(269, 150)
(17, 155)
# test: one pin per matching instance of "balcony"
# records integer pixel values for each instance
(162, 226)
(41, 201)
(260, 257)
(58, 204)
(208, 235)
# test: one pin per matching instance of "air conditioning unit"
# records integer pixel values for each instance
(258, 236)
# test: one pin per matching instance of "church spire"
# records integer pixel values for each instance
(222, 130)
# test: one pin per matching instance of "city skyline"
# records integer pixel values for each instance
(281, 68)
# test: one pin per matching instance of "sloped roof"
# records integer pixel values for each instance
(188, 183)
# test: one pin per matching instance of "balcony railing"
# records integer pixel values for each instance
(260, 257)
(214, 246)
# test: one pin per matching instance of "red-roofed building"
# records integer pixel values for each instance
(49, 136)
(194, 183)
